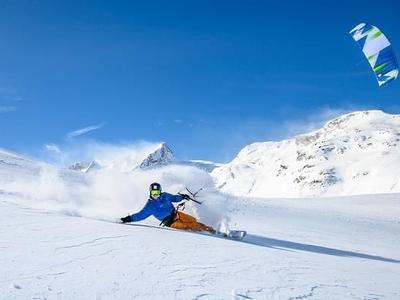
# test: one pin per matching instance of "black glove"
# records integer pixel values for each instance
(185, 197)
(126, 219)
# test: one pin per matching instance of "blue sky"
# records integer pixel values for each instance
(207, 77)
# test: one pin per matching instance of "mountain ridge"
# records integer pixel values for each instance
(333, 160)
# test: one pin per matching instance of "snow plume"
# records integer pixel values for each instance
(313, 122)
(111, 192)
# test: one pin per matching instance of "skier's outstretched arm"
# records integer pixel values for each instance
(144, 213)
(178, 198)
(173, 198)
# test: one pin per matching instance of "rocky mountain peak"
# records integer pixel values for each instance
(160, 157)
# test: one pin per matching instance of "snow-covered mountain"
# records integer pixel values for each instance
(148, 157)
(162, 156)
(86, 166)
(357, 153)
(17, 168)
(151, 158)
(14, 166)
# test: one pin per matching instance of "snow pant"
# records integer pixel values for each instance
(187, 222)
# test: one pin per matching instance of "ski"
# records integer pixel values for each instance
(233, 234)
(230, 234)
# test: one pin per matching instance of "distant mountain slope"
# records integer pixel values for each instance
(22, 176)
(357, 153)
(147, 158)
(14, 166)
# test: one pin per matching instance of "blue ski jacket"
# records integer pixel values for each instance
(160, 208)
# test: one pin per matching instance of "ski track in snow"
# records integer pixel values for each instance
(291, 252)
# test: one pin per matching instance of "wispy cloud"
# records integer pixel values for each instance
(6, 109)
(9, 98)
(53, 148)
(83, 131)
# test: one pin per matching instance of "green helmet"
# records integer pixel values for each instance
(155, 189)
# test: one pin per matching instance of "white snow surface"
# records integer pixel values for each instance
(58, 240)
(357, 153)
(295, 249)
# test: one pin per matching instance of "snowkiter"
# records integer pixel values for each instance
(160, 206)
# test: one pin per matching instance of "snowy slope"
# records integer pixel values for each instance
(357, 153)
(13, 166)
(296, 249)
(27, 177)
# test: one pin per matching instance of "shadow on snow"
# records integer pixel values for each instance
(294, 246)
(286, 245)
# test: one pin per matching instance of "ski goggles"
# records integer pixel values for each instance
(155, 193)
